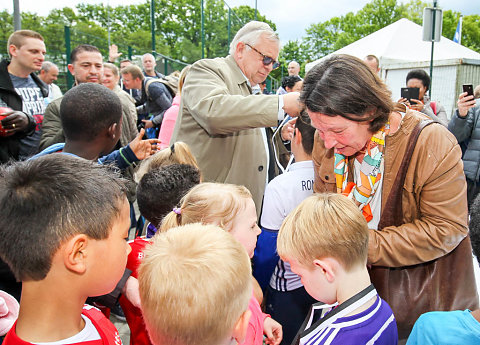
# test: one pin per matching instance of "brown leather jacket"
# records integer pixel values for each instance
(434, 195)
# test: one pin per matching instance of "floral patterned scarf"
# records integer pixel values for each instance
(370, 173)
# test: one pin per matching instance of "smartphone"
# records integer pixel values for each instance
(410, 93)
(468, 88)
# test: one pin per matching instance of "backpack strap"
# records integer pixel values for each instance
(169, 83)
(147, 85)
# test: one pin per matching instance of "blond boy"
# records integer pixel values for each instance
(63, 226)
(195, 284)
(325, 241)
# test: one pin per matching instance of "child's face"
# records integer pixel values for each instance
(245, 228)
(314, 281)
(110, 254)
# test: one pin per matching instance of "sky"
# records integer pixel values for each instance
(292, 17)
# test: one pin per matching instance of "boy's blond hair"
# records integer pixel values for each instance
(195, 284)
(177, 153)
(209, 203)
(325, 225)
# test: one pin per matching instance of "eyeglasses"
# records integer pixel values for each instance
(267, 60)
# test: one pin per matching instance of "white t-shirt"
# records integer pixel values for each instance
(88, 333)
(282, 195)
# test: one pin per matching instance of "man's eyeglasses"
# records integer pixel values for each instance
(267, 60)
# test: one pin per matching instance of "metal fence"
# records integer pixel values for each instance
(59, 48)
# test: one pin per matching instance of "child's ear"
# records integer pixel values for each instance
(240, 329)
(75, 253)
(297, 137)
(328, 267)
(112, 130)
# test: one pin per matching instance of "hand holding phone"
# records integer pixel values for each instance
(410, 93)
(463, 104)
(468, 88)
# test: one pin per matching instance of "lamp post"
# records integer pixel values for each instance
(203, 31)
(17, 19)
(433, 43)
(152, 20)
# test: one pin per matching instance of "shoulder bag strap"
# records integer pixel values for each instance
(392, 214)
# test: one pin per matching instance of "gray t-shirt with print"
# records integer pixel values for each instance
(33, 103)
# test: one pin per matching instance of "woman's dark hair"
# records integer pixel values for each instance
(344, 85)
(290, 81)
(419, 74)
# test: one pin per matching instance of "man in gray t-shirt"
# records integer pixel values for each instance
(23, 92)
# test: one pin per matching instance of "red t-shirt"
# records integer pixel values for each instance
(108, 333)
(138, 332)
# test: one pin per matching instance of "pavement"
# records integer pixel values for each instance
(122, 328)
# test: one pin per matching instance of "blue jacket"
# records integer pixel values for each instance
(122, 158)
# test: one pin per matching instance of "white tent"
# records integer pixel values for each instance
(400, 48)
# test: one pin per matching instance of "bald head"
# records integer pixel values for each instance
(149, 63)
(373, 63)
(293, 68)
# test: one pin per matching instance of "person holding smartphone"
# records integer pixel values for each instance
(418, 78)
(465, 127)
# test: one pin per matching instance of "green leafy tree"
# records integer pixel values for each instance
(244, 14)
(470, 28)
(6, 28)
(413, 10)
(471, 32)
(177, 26)
(338, 32)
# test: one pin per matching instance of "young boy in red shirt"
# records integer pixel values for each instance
(63, 226)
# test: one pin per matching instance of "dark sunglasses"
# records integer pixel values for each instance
(267, 60)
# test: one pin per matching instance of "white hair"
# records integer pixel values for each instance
(147, 54)
(295, 62)
(47, 65)
(251, 32)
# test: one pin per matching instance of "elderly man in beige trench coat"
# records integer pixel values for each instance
(222, 121)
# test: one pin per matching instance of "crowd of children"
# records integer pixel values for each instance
(78, 211)
(195, 278)
(70, 244)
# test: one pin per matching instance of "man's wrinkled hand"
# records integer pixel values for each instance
(291, 103)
